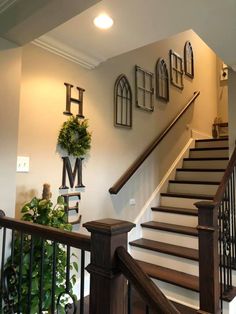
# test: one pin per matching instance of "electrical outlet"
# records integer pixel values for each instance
(22, 164)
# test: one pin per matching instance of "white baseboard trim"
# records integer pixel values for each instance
(196, 134)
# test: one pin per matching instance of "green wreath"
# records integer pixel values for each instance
(74, 137)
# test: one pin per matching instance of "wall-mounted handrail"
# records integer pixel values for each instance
(138, 162)
(149, 292)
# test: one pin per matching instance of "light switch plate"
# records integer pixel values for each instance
(22, 164)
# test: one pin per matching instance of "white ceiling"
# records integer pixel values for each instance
(140, 22)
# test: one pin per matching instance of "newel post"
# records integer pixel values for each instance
(208, 257)
(107, 284)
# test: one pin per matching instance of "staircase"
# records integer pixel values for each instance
(168, 250)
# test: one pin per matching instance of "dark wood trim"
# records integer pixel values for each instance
(200, 170)
(208, 148)
(176, 210)
(208, 263)
(172, 276)
(194, 182)
(149, 292)
(188, 195)
(170, 228)
(166, 248)
(73, 239)
(107, 284)
(138, 162)
(212, 140)
(204, 159)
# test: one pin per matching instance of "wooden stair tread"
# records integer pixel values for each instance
(171, 228)
(188, 195)
(212, 140)
(205, 158)
(200, 170)
(209, 148)
(176, 210)
(139, 306)
(183, 309)
(170, 276)
(194, 182)
(178, 278)
(166, 248)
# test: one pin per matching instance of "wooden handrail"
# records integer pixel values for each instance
(72, 239)
(150, 293)
(223, 184)
(138, 162)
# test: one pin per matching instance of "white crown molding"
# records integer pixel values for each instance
(5, 4)
(48, 43)
(233, 67)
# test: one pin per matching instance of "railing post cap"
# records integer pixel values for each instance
(205, 204)
(109, 226)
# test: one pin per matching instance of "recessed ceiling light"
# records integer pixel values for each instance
(103, 21)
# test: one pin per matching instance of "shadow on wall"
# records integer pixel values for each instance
(23, 196)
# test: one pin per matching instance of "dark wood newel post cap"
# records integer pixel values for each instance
(109, 226)
(107, 284)
(205, 205)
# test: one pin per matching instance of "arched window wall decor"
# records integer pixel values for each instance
(188, 60)
(162, 80)
(122, 102)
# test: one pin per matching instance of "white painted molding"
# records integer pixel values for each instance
(50, 44)
(196, 134)
(5, 4)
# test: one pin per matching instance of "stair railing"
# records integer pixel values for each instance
(14, 275)
(110, 267)
(149, 292)
(217, 242)
(143, 156)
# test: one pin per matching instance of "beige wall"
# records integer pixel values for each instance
(113, 149)
(10, 75)
(222, 93)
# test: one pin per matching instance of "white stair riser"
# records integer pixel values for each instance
(209, 153)
(207, 144)
(205, 164)
(179, 202)
(165, 260)
(206, 189)
(188, 297)
(181, 295)
(199, 176)
(170, 237)
(182, 220)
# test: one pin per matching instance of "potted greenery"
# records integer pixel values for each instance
(41, 211)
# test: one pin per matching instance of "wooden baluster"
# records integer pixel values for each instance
(107, 286)
(208, 258)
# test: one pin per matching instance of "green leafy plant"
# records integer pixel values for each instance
(42, 211)
(74, 137)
